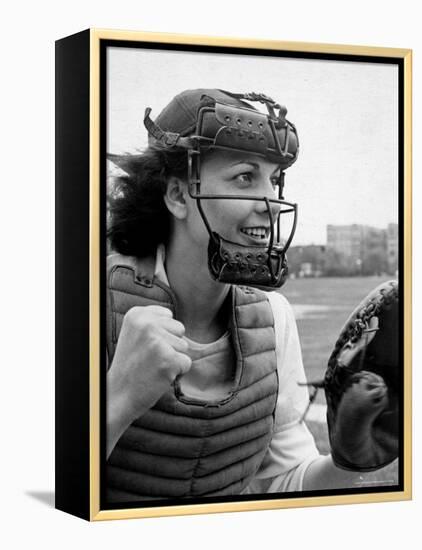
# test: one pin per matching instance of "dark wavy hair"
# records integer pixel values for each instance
(138, 219)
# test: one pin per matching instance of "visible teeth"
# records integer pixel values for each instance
(255, 231)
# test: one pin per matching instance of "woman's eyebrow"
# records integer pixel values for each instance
(255, 166)
(250, 163)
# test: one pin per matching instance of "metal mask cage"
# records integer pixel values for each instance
(275, 245)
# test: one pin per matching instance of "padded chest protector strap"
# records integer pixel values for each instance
(130, 282)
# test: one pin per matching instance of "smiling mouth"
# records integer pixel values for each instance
(259, 233)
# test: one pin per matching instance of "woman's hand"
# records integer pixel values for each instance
(358, 436)
(364, 433)
(150, 353)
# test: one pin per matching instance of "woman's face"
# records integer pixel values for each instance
(244, 222)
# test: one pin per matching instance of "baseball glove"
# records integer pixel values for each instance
(362, 384)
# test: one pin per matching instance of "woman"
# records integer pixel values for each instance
(202, 392)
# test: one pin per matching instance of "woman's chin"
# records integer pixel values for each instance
(254, 241)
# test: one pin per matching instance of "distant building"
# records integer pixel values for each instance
(364, 250)
(346, 239)
(351, 250)
(374, 251)
(393, 247)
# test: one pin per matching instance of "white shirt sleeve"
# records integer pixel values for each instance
(292, 447)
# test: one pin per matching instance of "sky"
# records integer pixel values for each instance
(346, 114)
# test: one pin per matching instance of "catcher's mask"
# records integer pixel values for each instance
(204, 120)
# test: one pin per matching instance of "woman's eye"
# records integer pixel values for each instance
(244, 178)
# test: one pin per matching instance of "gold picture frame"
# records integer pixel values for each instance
(81, 139)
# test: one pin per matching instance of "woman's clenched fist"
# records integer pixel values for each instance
(150, 353)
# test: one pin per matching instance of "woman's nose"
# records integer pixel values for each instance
(265, 204)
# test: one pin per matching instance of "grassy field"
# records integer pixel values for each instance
(321, 307)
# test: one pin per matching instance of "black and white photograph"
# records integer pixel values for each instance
(252, 266)
(210, 275)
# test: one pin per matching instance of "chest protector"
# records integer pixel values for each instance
(185, 447)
